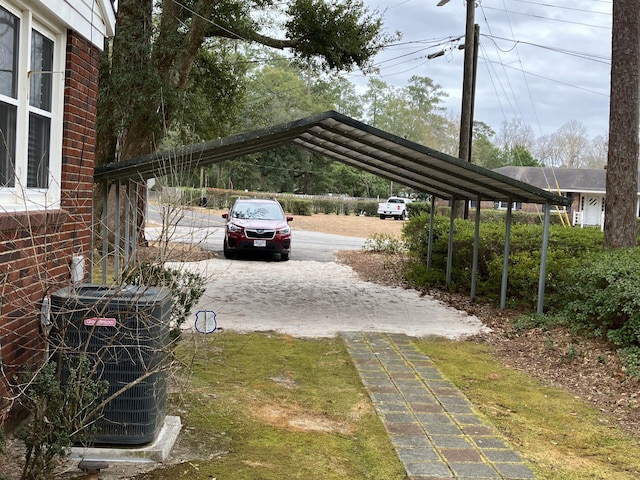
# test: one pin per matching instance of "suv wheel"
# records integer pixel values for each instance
(227, 253)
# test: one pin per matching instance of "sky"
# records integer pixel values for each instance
(542, 62)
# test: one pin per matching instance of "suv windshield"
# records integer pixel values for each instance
(257, 211)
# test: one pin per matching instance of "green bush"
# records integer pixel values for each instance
(605, 297)
(323, 206)
(383, 243)
(186, 287)
(587, 289)
(192, 196)
(369, 208)
(300, 207)
(630, 357)
(567, 246)
(59, 412)
(415, 209)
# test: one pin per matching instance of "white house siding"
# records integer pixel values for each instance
(92, 19)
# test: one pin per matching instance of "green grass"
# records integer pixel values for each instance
(269, 406)
(563, 437)
(265, 406)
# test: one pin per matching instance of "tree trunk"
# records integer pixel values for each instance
(620, 229)
(128, 122)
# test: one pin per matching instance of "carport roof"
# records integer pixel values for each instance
(349, 141)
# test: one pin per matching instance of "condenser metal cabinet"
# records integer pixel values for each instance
(124, 332)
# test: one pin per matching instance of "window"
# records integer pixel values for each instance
(8, 94)
(498, 205)
(40, 111)
(31, 105)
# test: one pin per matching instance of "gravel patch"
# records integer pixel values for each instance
(320, 299)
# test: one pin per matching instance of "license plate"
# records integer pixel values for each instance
(259, 243)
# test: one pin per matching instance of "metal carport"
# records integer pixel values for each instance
(354, 143)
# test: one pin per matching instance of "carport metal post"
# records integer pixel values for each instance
(134, 220)
(450, 245)
(127, 223)
(116, 232)
(431, 222)
(476, 243)
(105, 231)
(505, 261)
(543, 259)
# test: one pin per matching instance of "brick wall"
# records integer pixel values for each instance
(36, 248)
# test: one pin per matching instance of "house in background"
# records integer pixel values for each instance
(586, 187)
(49, 59)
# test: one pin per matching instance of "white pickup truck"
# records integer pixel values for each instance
(395, 207)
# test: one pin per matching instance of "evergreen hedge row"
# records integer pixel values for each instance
(588, 289)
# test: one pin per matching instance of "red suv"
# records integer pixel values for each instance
(257, 224)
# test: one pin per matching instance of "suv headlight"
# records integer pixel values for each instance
(285, 231)
(232, 228)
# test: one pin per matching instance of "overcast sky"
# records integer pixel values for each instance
(545, 62)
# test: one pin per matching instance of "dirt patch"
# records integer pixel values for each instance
(295, 418)
(348, 225)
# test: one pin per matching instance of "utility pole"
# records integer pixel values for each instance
(468, 87)
(466, 116)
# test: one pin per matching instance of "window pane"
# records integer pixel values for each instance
(7, 144)
(9, 27)
(38, 166)
(41, 71)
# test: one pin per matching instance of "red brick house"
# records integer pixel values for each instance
(49, 58)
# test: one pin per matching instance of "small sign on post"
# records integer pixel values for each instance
(206, 321)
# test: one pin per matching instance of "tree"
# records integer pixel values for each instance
(548, 151)
(376, 98)
(596, 156)
(148, 67)
(519, 156)
(152, 62)
(483, 151)
(515, 132)
(412, 112)
(620, 228)
(567, 148)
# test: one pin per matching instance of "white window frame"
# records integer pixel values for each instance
(19, 197)
(504, 205)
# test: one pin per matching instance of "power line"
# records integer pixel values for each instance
(586, 56)
(582, 24)
(549, 79)
(564, 7)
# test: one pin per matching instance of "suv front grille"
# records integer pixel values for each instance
(260, 233)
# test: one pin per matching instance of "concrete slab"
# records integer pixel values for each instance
(157, 451)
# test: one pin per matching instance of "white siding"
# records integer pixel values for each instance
(93, 19)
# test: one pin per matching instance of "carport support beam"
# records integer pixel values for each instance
(134, 220)
(105, 231)
(127, 222)
(431, 226)
(116, 232)
(505, 262)
(476, 246)
(450, 246)
(543, 259)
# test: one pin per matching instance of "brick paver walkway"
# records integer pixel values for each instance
(433, 427)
